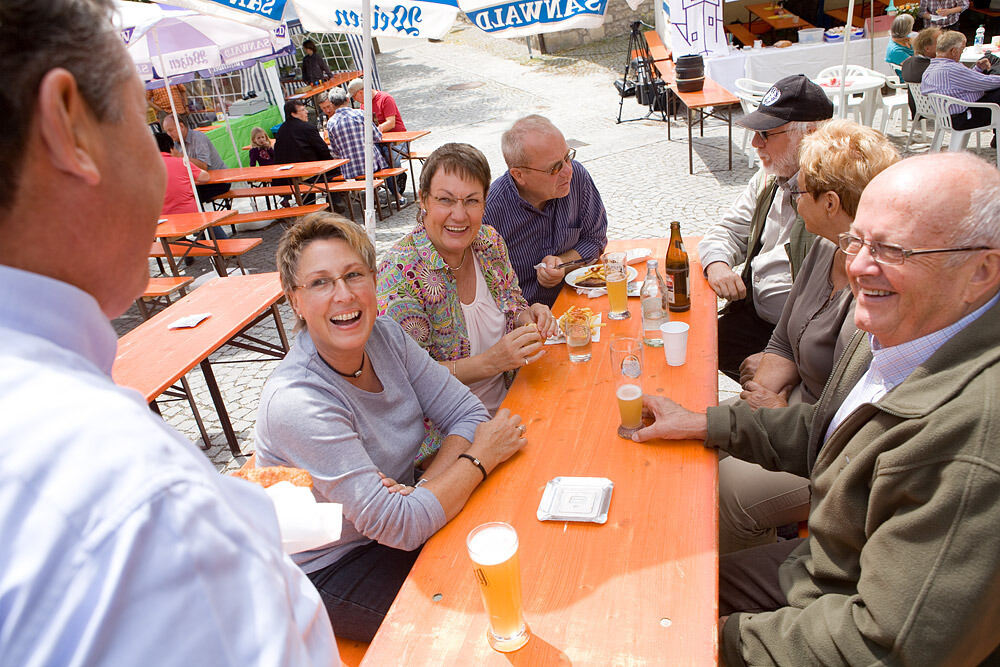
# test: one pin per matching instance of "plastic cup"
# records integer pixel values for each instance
(675, 342)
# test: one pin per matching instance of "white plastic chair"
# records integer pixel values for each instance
(924, 113)
(750, 93)
(898, 101)
(960, 138)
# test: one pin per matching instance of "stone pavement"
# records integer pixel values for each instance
(470, 88)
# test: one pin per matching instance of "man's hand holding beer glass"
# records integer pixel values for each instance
(670, 421)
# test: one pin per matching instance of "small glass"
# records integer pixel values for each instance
(578, 342)
(493, 550)
(626, 365)
(616, 277)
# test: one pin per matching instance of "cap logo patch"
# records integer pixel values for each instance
(770, 97)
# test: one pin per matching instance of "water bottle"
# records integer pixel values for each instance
(653, 299)
(980, 36)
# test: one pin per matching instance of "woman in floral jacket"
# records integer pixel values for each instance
(450, 285)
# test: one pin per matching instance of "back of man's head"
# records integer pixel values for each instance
(356, 87)
(337, 97)
(949, 40)
(926, 40)
(36, 37)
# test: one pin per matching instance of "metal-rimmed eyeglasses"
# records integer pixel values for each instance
(556, 168)
(469, 203)
(767, 134)
(323, 285)
(890, 253)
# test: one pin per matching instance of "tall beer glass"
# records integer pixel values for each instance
(493, 550)
(616, 277)
(626, 365)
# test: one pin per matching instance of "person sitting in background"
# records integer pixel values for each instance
(262, 148)
(159, 100)
(387, 117)
(545, 206)
(836, 162)
(948, 76)
(348, 404)
(346, 131)
(902, 562)
(122, 544)
(298, 140)
(944, 13)
(762, 231)
(898, 49)
(202, 154)
(450, 285)
(314, 67)
(913, 68)
(179, 197)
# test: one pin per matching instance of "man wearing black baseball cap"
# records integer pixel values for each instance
(762, 222)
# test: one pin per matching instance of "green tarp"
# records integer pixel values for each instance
(241, 130)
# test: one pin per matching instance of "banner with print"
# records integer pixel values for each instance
(696, 27)
(520, 18)
(261, 13)
(428, 19)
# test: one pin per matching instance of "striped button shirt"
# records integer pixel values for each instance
(932, 7)
(947, 77)
(345, 131)
(577, 221)
(891, 365)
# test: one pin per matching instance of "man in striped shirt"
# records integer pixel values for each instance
(546, 207)
(947, 76)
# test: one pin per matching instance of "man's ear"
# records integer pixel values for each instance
(67, 127)
(517, 175)
(986, 278)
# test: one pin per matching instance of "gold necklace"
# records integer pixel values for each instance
(465, 254)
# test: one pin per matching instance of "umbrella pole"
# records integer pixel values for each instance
(177, 123)
(225, 116)
(843, 70)
(366, 33)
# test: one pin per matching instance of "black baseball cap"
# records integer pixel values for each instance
(794, 98)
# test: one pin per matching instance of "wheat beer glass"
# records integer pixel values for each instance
(616, 277)
(626, 365)
(493, 550)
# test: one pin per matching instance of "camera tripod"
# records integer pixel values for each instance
(640, 79)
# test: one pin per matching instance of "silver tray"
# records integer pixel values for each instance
(576, 499)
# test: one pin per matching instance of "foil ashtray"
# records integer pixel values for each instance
(576, 499)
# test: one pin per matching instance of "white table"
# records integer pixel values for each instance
(770, 64)
(869, 86)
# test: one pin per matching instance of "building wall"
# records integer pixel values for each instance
(617, 20)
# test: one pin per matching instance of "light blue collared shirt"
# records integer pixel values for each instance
(121, 543)
(891, 365)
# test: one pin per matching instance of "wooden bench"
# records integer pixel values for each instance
(158, 293)
(272, 214)
(656, 48)
(265, 191)
(228, 249)
(389, 176)
(355, 189)
(742, 33)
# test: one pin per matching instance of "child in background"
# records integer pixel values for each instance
(262, 153)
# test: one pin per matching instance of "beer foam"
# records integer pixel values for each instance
(629, 392)
(493, 545)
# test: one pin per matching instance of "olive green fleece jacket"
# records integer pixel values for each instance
(902, 564)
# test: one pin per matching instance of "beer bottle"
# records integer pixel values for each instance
(676, 270)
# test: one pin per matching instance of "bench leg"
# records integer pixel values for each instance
(279, 325)
(197, 415)
(220, 407)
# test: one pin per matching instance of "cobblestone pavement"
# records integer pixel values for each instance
(643, 178)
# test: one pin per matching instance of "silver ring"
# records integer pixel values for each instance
(525, 361)
(521, 429)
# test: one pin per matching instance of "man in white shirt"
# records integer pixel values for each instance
(761, 222)
(902, 562)
(121, 543)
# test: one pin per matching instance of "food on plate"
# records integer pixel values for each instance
(271, 475)
(594, 276)
(583, 313)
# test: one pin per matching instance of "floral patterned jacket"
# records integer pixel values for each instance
(416, 288)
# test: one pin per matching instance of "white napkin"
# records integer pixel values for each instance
(189, 321)
(305, 524)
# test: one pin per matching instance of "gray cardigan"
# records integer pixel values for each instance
(312, 418)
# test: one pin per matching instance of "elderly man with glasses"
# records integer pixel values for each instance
(762, 222)
(546, 207)
(902, 562)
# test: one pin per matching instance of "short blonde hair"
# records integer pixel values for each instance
(925, 38)
(842, 156)
(318, 227)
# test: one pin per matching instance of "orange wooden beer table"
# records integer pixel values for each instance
(640, 589)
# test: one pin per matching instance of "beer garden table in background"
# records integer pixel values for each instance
(639, 589)
(175, 227)
(393, 138)
(296, 172)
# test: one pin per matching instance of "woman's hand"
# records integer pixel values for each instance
(758, 396)
(543, 318)
(748, 369)
(516, 349)
(498, 439)
(394, 486)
